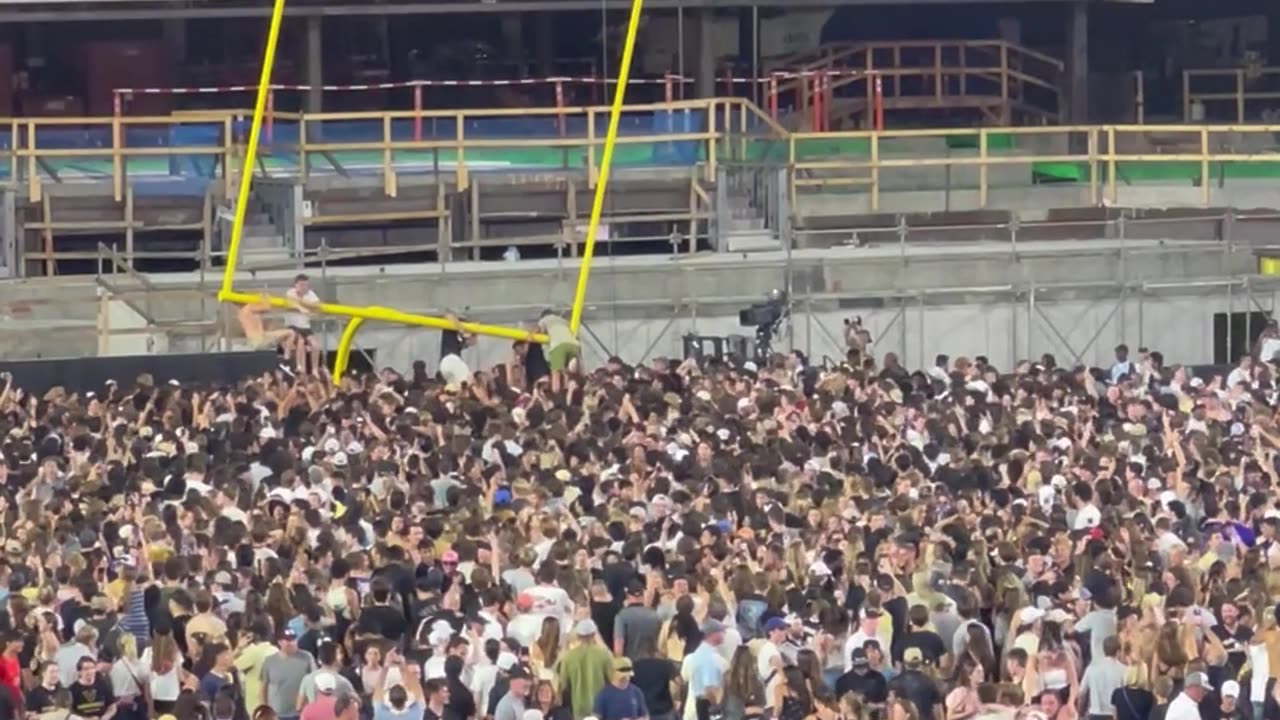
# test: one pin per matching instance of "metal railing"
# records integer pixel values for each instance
(998, 78)
(690, 138)
(1237, 94)
(1099, 158)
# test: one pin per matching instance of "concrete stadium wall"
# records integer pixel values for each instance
(1004, 328)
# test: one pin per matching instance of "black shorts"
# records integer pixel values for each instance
(301, 332)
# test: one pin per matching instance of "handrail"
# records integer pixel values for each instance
(898, 75)
(1205, 90)
(695, 136)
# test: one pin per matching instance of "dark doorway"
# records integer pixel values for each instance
(1243, 328)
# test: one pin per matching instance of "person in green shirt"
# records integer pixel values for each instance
(562, 345)
(253, 651)
(584, 669)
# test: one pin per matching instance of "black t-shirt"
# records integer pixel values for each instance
(535, 364)
(385, 620)
(871, 685)
(929, 642)
(919, 689)
(897, 609)
(70, 611)
(450, 343)
(1236, 643)
(1132, 703)
(500, 688)
(653, 676)
(603, 614)
(310, 641)
(40, 700)
(462, 704)
(91, 700)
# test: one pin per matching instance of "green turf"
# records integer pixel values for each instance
(1138, 172)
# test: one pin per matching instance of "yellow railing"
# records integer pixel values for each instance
(721, 130)
(1101, 158)
(39, 149)
(1233, 94)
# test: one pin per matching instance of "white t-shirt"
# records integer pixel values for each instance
(164, 687)
(1261, 670)
(764, 665)
(482, 682)
(296, 319)
(433, 668)
(1087, 517)
(732, 640)
(1270, 347)
(525, 628)
(1235, 377)
(1183, 708)
(554, 601)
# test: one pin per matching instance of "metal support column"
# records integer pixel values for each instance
(1077, 57)
(314, 50)
(8, 234)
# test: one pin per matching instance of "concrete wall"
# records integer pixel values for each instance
(974, 296)
(1002, 327)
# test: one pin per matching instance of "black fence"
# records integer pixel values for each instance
(85, 374)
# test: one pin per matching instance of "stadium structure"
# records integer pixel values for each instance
(1004, 178)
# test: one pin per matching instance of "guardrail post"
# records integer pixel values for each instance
(720, 214)
(417, 112)
(128, 227)
(1204, 165)
(33, 174)
(1112, 194)
(1004, 75)
(982, 167)
(711, 140)
(117, 161)
(875, 171)
(388, 159)
(560, 106)
(773, 95)
(269, 124)
(591, 143)
(460, 164)
(228, 155)
(1239, 97)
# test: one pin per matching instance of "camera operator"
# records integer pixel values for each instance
(856, 340)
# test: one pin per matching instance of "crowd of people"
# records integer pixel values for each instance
(695, 540)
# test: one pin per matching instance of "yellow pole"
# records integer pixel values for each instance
(343, 356)
(388, 315)
(606, 160)
(251, 150)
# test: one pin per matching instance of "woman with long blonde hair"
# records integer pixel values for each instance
(162, 667)
(546, 650)
(1133, 701)
(126, 680)
(1169, 658)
